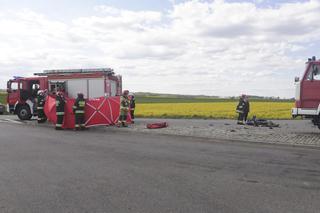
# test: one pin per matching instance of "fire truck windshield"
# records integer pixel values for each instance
(12, 86)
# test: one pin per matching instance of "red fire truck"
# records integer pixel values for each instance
(307, 96)
(93, 83)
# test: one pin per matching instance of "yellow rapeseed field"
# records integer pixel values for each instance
(266, 110)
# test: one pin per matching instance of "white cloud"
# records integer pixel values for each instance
(215, 48)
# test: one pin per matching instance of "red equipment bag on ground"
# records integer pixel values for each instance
(157, 125)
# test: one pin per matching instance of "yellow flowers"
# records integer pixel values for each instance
(267, 110)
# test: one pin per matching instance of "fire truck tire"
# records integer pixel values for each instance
(24, 113)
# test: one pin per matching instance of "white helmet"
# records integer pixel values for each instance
(40, 92)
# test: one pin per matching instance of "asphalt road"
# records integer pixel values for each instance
(42, 170)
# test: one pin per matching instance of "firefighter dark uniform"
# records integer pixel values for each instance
(124, 109)
(132, 107)
(78, 109)
(246, 109)
(60, 103)
(40, 107)
(240, 109)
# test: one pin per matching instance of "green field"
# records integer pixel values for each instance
(3, 98)
(204, 107)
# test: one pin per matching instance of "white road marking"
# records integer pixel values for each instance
(6, 120)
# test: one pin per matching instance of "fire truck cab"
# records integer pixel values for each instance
(22, 94)
(93, 83)
(307, 94)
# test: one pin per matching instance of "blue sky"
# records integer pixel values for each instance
(165, 46)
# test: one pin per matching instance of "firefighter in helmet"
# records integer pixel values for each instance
(241, 109)
(124, 109)
(60, 103)
(78, 109)
(246, 109)
(132, 106)
(41, 96)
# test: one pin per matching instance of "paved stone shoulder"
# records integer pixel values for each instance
(292, 132)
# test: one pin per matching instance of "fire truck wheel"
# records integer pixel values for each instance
(24, 113)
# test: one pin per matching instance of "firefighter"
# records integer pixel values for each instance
(132, 107)
(60, 103)
(124, 109)
(78, 109)
(246, 108)
(240, 109)
(41, 96)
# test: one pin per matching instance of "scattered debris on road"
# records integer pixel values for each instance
(261, 123)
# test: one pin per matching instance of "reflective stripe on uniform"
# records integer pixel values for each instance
(124, 108)
(79, 111)
(82, 103)
(58, 125)
(74, 107)
(39, 107)
(77, 125)
(60, 113)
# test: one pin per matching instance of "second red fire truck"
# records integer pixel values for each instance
(307, 95)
